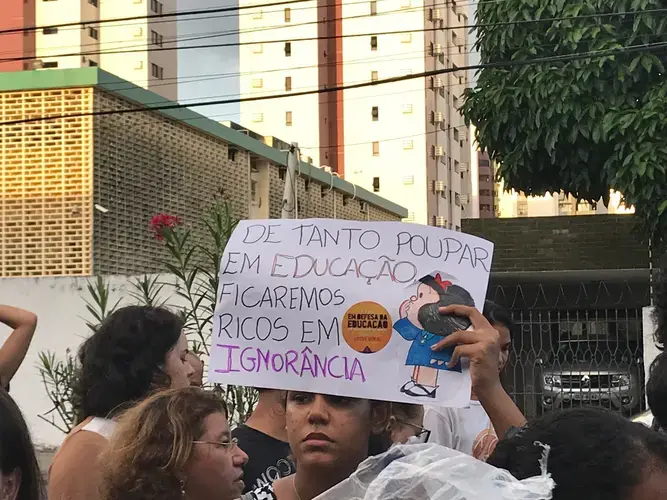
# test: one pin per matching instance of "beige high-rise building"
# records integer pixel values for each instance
(406, 140)
(66, 47)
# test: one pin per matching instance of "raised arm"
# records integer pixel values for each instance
(13, 351)
(481, 346)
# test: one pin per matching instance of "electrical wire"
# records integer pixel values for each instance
(204, 36)
(201, 12)
(349, 35)
(338, 88)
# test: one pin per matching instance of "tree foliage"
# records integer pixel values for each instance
(582, 126)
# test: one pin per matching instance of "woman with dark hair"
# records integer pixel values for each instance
(134, 352)
(174, 445)
(594, 455)
(21, 478)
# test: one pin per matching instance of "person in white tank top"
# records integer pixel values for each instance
(469, 430)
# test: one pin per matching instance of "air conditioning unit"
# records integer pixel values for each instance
(437, 15)
(463, 168)
(437, 117)
(258, 117)
(438, 151)
(440, 221)
(465, 199)
(439, 186)
(437, 50)
(437, 83)
(408, 180)
(327, 169)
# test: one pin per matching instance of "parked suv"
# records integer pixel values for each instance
(592, 372)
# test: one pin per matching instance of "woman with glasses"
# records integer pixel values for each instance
(174, 445)
(407, 421)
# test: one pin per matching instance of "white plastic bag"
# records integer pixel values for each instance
(431, 471)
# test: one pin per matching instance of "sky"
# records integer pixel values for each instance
(195, 66)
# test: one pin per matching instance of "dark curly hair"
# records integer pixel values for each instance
(153, 442)
(660, 309)
(122, 362)
(595, 454)
(16, 450)
(656, 390)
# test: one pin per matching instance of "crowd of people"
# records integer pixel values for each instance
(146, 428)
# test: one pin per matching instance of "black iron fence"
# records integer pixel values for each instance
(577, 343)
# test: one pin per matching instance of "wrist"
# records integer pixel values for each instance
(488, 390)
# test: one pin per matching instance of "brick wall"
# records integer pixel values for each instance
(146, 163)
(562, 243)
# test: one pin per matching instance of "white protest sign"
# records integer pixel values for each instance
(346, 307)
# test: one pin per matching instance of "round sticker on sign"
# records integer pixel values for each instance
(367, 327)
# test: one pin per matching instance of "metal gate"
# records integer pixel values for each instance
(577, 343)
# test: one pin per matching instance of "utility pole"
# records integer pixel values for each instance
(290, 197)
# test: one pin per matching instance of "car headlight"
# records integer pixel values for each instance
(620, 380)
(552, 380)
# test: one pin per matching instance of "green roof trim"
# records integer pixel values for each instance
(89, 77)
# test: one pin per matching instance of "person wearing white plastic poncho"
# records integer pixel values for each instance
(330, 436)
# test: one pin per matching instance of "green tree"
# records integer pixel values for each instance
(583, 126)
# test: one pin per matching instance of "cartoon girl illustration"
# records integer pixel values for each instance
(422, 324)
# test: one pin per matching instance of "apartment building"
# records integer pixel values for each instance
(405, 140)
(67, 47)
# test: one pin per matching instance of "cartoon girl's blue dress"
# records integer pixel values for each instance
(420, 353)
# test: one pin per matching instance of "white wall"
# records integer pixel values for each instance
(650, 349)
(59, 305)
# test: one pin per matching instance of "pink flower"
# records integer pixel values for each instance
(162, 222)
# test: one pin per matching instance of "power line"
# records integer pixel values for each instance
(498, 65)
(203, 36)
(198, 12)
(350, 35)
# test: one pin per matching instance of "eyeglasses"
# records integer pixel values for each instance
(227, 445)
(423, 434)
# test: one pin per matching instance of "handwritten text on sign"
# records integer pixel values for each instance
(345, 307)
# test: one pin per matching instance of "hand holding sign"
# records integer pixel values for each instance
(481, 346)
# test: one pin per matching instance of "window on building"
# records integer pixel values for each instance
(288, 15)
(91, 63)
(157, 71)
(374, 8)
(50, 64)
(156, 7)
(376, 148)
(485, 208)
(288, 83)
(93, 33)
(156, 38)
(485, 178)
(288, 118)
(50, 31)
(374, 76)
(483, 163)
(94, 3)
(288, 49)
(455, 103)
(456, 134)
(376, 184)
(375, 113)
(374, 43)
(484, 192)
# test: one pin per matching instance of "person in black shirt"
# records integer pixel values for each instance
(264, 439)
